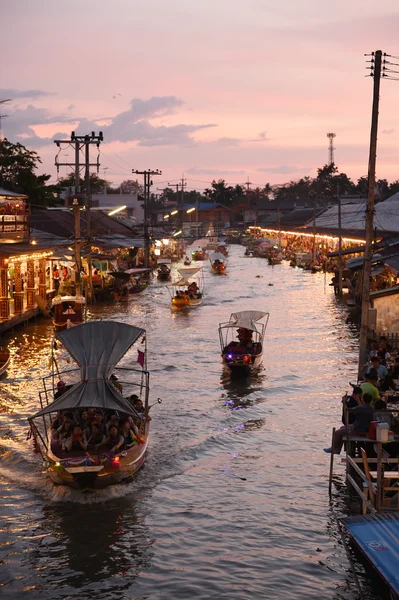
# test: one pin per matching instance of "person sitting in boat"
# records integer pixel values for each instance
(244, 339)
(77, 441)
(69, 311)
(66, 430)
(115, 383)
(62, 387)
(85, 420)
(99, 419)
(129, 435)
(113, 419)
(193, 290)
(96, 437)
(114, 440)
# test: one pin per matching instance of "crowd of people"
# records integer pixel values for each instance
(96, 430)
(366, 402)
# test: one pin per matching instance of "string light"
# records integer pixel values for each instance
(310, 235)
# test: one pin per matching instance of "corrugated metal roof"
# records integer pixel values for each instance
(378, 538)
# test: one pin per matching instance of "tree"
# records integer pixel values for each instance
(17, 174)
(131, 186)
(97, 185)
(222, 194)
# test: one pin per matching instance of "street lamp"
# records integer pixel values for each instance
(116, 210)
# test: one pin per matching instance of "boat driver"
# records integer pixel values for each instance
(244, 339)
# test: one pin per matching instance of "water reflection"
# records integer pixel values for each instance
(243, 392)
(89, 544)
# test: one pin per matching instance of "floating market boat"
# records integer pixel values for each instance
(130, 283)
(4, 360)
(245, 355)
(218, 263)
(97, 347)
(188, 291)
(164, 268)
(68, 311)
(275, 257)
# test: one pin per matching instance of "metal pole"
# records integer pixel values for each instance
(339, 247)
(76, 211)
(88, 217)
(368, 250)
(146, 233)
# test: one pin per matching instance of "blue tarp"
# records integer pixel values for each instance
(378, 538)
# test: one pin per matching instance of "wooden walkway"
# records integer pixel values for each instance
(16, 320)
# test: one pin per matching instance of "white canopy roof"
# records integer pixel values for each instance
(186, 273)
(200, 243)
(96, 346)
(217, 256)
(246, 319)
(61, 299)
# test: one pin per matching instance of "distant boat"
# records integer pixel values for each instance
(245, 355)
(188, 290)
(164, 269)
(68, 311)
(218, 263)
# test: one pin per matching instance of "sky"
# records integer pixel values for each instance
(241, 90)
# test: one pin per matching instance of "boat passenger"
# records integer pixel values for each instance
(114, 440)
(370, 385)
(129, 437)
(76, 441)
(85, 420)
(115, 383)
(364, 414)
(98, 418)
(96, 438)
(113, 419)
(383, 344)
(66, 429)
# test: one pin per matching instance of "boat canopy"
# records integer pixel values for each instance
(200, 243)
(217, 256)
(137, 271)
(164, 261)
(96, 346)
(246, 319)
(186, 273)
(60, 299)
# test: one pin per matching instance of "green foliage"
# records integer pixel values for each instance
(97, 184)
(226, 195)
(17, 174)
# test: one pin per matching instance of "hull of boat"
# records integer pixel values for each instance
(180, 303)
(91, 478)
(219, 269)
(199, 256)
(163, 276)
(60, 326)
(238, 368)
(195, 302)
(4, 361)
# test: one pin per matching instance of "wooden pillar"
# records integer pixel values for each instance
(18, 294)
(30, 287)
(42, 279)
(4, 301)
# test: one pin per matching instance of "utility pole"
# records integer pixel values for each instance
(78, 201)
(147, 185)
(3, 116)
(368, 249)
(339, 244)
(183, 185)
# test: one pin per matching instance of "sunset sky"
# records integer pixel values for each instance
(213, 89)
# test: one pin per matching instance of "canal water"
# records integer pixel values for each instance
(232, 502)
